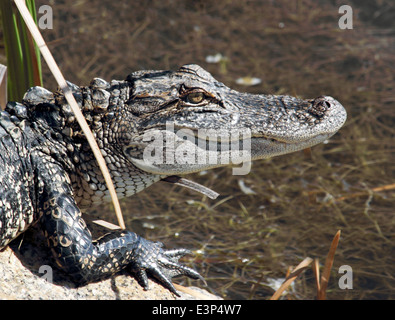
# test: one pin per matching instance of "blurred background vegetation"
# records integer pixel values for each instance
(244, 242)
(23, 57)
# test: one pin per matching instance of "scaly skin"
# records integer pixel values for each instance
(48, 173)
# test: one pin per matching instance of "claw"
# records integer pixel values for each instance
(149, 257)
(177, 252)
(164, 280)
(141, 277)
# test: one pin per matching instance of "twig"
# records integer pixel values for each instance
(363, 193)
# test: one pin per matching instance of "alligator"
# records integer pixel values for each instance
(49, 175)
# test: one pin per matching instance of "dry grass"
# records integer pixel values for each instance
(321, 282)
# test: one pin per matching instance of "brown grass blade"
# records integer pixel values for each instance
(316, 270)
(291, 277)
(321, 295)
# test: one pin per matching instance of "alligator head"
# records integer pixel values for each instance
(186, 121)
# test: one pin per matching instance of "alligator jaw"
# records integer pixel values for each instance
(267, 126)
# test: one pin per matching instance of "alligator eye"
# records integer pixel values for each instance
(195, 97)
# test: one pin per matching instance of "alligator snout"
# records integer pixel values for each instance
(331, 109)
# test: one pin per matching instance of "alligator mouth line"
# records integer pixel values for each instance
(235, 140)
(210, 136)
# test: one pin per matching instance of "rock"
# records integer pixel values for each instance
(27, 274)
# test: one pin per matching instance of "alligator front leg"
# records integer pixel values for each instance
(86, 260)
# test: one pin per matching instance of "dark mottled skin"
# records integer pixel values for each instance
(48, 173)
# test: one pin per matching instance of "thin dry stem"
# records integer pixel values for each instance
(316, 270)
(364, 193)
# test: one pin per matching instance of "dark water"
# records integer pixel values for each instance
(246, 242)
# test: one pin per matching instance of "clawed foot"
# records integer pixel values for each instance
(150, 257)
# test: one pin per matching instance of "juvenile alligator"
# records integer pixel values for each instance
(48, 173)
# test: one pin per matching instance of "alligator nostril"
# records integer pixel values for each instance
(319, 107)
